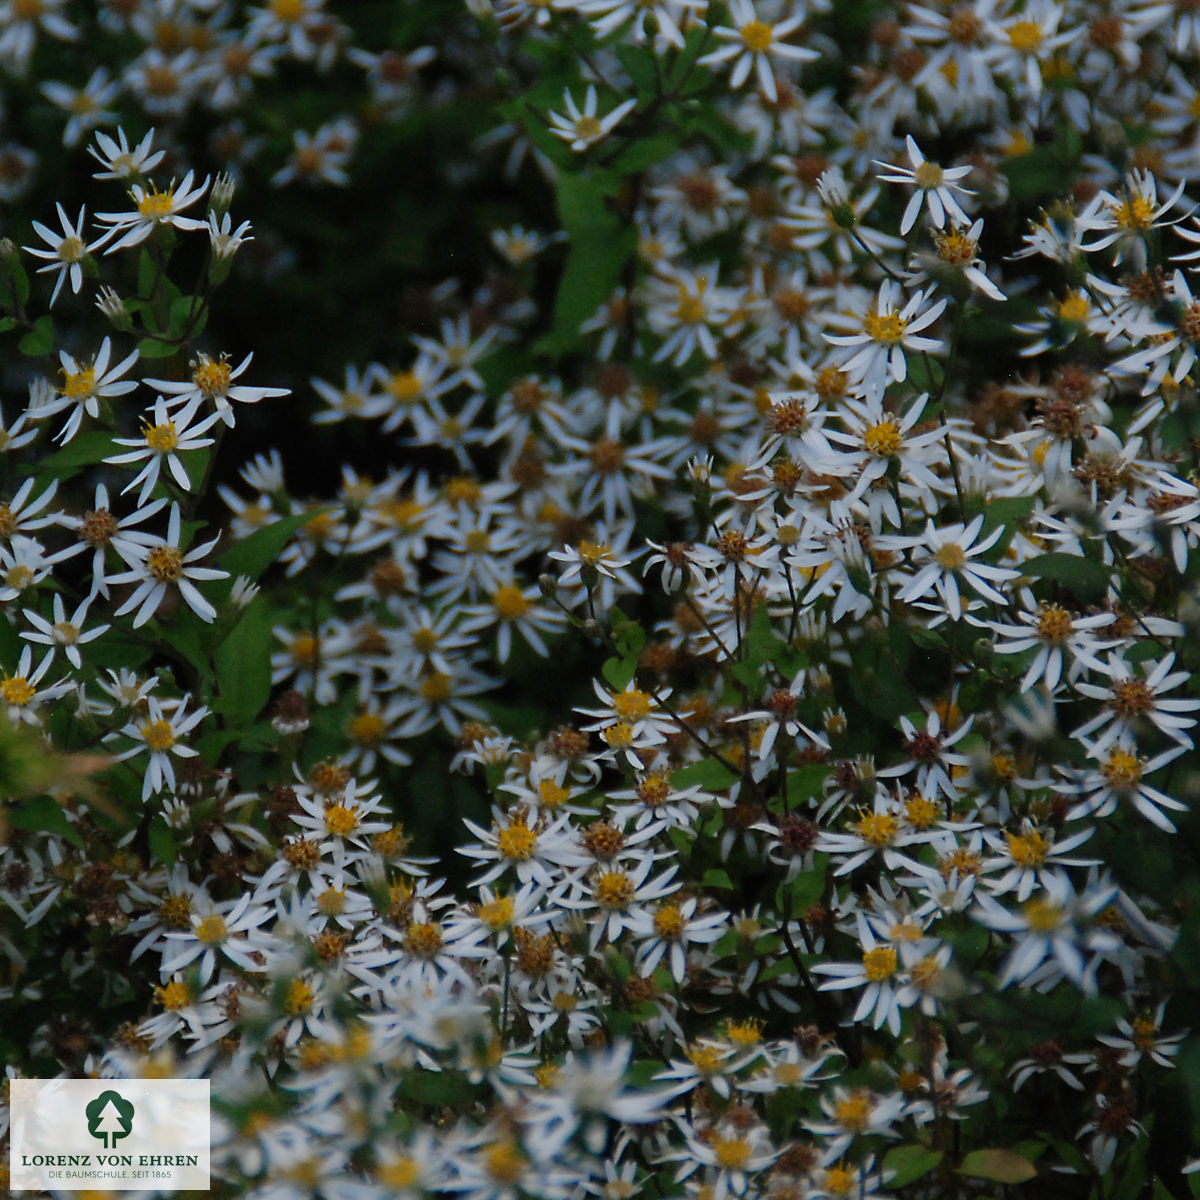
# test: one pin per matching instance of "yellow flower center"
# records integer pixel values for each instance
(879, 964)
(332, 901)
(174, 995)
(367, 728)
(853, 1112)
(498, 913)
(165, 563)
(929, 175)
(885, 327)
(732, 1153)
(1074, 308)
(1025, 36)
(211, 930)
(706, 1059)
(669, 923)
(883, 439)
(921, 812)
(212, 378)
(161, 438)
(423, 939)
(156, 205)
(510, 603)
(587, 128)
(690, 310)
(1055, 624)
(158, 735)
(951, 557)
(1043, 916)
(631, 705)
(300, 998)
(19, 576)
(516, 842)
(551, 795)
(614, 889)
(1122, 771)
(16, 690)
(436, 688)
(340, 820)
(504, 1163)
(71, 250)
(840, 1180)
(1028, 849)
(877, 829)
(399, 1175)
(1136, 213)
(757, 36)
(78, 385)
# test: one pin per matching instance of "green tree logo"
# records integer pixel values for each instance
(109, 1117)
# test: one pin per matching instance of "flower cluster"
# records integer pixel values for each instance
(700, 701)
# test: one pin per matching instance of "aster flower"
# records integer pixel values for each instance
(751, 44)
(67, 252)
(584, 129)
(157, 564)
(937, 188)
(159, 731)
(152, 209)
(877, 348)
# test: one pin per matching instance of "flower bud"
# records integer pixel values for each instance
(113, 307)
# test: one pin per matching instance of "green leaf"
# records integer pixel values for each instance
(630, 638)
(998, 1165)
(40, 339)
(714, 877)
(708, 774)
(254, 554)
(1087, 579)
(243, 662)
(7, 323)
(43, 814)
(909, 1163)
(82, 451)
(162, 841)
(152, 348)
(806, 782)
(809, 886)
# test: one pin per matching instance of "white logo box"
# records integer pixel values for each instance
(115, 1134)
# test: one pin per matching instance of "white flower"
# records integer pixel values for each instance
(67, 251)
(752, 43)
(936, 188)
(150, 210)
(161, 441)
(583, 129)
(157, 564)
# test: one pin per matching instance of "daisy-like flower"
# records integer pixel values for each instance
(67, 252)
(85, 104)
(225, 240)
(851, 1113)
(150, 210)
(1129, 698)
(937, 188)
(1048, 941)
(70, 633)
(230, 928)
(120, 161)
(161, 442)
(1142, 1038)
(956, 254)
(1119, 777)
(1028, 37)
(157, 564)
(85, 385)
(213, 380)
(878, 345)
(879, 975)
(1125, 219)
(582, 129)
(1056, 634)
(752, 44)
(944, 562)
(158, 730)
(666, 934)
(20, 694)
